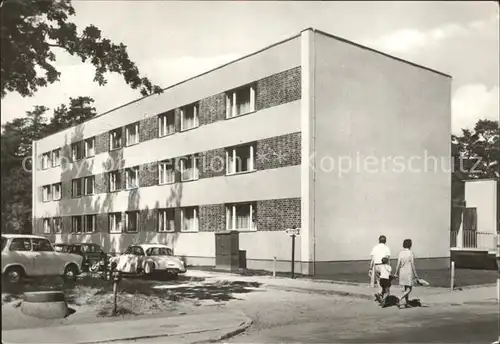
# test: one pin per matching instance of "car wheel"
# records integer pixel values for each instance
(70, 273)
(94, 267)
(14, 275)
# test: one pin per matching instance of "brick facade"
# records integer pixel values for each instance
(278, 89)
(271, 215)
(212, 218)
(148, 174)
(212, 163)
(148, 129)
(102, 143)
(279, 151)
(278, 214)
(212, 109)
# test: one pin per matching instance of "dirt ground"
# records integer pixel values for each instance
(91, 300)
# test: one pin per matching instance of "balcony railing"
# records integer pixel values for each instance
(473, 239)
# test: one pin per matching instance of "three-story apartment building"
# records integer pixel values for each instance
(259, 145)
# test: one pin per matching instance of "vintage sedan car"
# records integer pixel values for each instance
(34, 256)
(92, 254)
(149, 259)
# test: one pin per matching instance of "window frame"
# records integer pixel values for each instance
(54, 192)
(135, 169)
(46, 160)
(111, 140)
(232, 151)
(127, 134)
(76, 181)
(163, 123)
(231, 208)
(77, 151)
(112, 219)
(127, 221)
(232, 101)
(47, 225)
(162, 214)
(73, 221)
(194, 159)
(196, 115)
(58, 229)
(85, 182)
(56, 162)
(85, 221)
(47, 195)
(117, 182)
(196, 215)
(163, 167)
(86, 147)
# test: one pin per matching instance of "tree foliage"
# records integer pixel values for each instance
(32, 31)
(477, 151)
(16, 144)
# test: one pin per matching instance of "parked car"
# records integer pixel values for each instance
(149, 259)
(93, 255)
(34, 256)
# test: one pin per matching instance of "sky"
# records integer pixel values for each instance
(172, 41)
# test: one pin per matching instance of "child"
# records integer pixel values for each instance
(385, 271)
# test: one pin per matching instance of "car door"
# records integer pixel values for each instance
(46, 262)
(20, 253)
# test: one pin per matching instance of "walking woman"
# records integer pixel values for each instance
(405, 270)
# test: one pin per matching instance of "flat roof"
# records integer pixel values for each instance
(251, 54)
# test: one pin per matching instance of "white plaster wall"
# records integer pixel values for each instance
(482, 194)
(273, 60)
(266, 245)
(370, 105)
(260, 185)
(271, 122)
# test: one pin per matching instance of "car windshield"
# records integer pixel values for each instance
(159, 251)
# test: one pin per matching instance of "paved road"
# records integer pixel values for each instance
(306, 318)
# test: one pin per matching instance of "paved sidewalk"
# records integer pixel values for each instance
(479, 294)
(177, 329)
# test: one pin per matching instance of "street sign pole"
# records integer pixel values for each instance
(293, 256)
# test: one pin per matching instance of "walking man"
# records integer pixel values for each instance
(380, 251)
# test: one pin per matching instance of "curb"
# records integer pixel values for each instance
(324, 292)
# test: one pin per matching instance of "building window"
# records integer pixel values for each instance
(166, 173)
(56, 191)
(189, 219)
(166, 124)
(46, 161)
(77, 187)
(88, 185)
(46, 193)
(77, 151)
(240, 159)
(132, 134)
(56, 157)
(189, 168)
(115, 139)
(240, 101)
(89, 223)
(166, 220)
(189, 117)
(76, 224)
(46, 226)
(115, 223)
(89, 147)
(57, 223)
(132, 221)
(114, 181)
(240, 216)
(132, 177)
